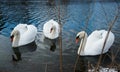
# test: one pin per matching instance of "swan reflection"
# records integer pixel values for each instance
(51, 42)
(31, 47)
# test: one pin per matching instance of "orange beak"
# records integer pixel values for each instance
(77, 39)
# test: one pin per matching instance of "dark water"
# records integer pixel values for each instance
(75, 16)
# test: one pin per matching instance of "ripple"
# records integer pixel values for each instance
(74, 16)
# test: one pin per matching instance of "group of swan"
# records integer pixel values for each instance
(23, 34)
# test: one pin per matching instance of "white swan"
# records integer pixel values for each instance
(23, 34)
(94, 43)
(51, 29)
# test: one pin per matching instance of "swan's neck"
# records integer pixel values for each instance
(54, 30)
(16, 39)
(82, 44)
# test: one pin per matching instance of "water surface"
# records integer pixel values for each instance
(75, 16)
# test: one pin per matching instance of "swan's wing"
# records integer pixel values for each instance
(110, 40)
(57, 29)
(92, 46)
(28, 36)
(95, 42)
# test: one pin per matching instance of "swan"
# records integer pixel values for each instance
(23, 34)
(93, 44)
(51, 29)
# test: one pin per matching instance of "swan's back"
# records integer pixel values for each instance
(21, 28)
(29, 35)
(47, 27)
(96, 40)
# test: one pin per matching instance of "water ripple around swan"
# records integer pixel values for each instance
(75, 16)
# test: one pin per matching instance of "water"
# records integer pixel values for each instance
(75, 16)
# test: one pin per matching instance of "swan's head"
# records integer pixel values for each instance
(52, 24)
(80, 36)
(52, 29)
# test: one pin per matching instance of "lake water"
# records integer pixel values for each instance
(75, 16)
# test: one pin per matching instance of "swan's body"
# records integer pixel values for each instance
(93, 44)
(23, 34)
(51, 29)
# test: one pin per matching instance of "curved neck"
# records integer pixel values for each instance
(16, 39)
(53, 31)
(82, 44)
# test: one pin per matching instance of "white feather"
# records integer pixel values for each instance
(47, 27)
